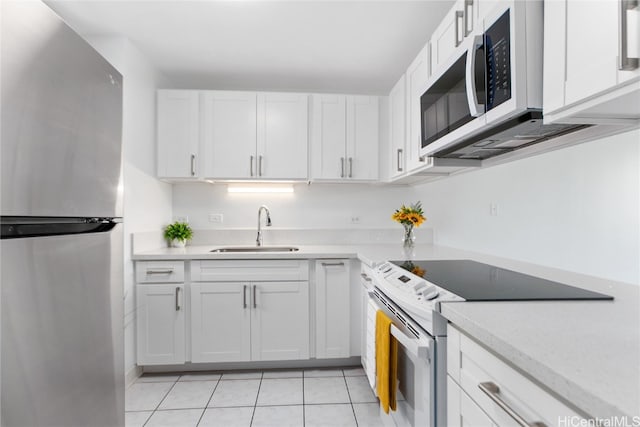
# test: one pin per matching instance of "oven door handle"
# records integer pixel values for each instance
(415, 347)
(412, 345)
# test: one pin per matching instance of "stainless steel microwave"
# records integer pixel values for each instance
(486, 100)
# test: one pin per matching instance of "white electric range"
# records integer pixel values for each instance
(411, 292)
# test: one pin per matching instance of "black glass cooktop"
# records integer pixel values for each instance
(475, 281)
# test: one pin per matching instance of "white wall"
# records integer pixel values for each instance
(147, 201)
(310, 206)
(576, 209)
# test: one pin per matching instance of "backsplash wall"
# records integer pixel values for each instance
(577, 209)
(316, 206)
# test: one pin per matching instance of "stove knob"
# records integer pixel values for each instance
(420, 287)
(430, 293)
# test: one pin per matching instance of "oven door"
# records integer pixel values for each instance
(416, 372)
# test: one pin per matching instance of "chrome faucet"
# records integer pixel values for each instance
(268, 224)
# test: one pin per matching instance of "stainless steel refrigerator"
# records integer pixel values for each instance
(61, 249)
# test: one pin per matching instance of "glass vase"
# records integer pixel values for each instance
(409, 239)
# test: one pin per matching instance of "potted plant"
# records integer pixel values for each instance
(178, 233)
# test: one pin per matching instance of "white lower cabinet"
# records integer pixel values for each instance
(160, 324)
(220, 322)
(333, 308)
(243, 320)
(483, 390)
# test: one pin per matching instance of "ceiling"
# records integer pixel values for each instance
(324, 46)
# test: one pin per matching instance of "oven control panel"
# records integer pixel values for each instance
(410, 292)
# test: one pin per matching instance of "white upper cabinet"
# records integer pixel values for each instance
(464, 19)
(328, 136)
(416, 79)
(178, 121)
(229, 137)
(398, 128)
(591, 72)
(362, 138)
(344, 138)
(282, 140)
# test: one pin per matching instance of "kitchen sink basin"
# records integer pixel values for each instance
(256, 249)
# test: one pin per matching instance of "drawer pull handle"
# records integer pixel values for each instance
(493, 392)
(169, 271)
(333, 264)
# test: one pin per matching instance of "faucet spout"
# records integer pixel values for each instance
(268, 223)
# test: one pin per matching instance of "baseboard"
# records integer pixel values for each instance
(132, 375)
(290, 364)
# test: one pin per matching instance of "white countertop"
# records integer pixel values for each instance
(587, 352)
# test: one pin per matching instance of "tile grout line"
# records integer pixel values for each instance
(208, 401)
(304, 408)
(161, 400)
(353, 411)
(255, 404)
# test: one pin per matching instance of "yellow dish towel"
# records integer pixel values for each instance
(386, 362)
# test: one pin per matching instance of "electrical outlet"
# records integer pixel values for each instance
(493, 209)
(216, 218)
(181, 218)
(355, 220)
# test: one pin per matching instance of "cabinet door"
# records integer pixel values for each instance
(555, 15)
(332, 309)
(591, 49)
(280, 320)
(229, 139)
(416, 79)
(449, 34)
(362, 138)
(397, 125)
(282, 135)
(328, 137)
(178, 136)
(160, 324)
(220, 322)
(462, 411)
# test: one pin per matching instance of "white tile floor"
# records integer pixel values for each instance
(297, 398)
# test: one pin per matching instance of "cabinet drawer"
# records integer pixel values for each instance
(470, 364)
(160, 271)
(249, 270)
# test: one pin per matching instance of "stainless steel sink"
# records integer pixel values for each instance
(256, 249)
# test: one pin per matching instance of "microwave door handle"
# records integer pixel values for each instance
(475, 109)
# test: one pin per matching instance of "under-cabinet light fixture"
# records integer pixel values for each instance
(267, 188)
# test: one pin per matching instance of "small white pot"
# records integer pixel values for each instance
(175, 243)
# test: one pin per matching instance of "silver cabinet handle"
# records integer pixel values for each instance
(625, 63)
(333, 264)
(365, 277)
(467, 4)
(255, 304)
(244, 296)
(251, 165)
(193, 165)
(341, 167)
(259, 165)
(178, 299)
(459, 17)
(493, 392)
(350, 167)
(168, 271)
(398, 159)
